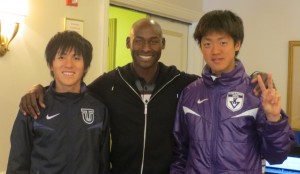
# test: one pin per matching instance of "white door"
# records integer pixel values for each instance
(176, 35)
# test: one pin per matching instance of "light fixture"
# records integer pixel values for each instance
(12, 12)
(5, 40)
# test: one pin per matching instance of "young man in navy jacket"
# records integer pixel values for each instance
(71, 135)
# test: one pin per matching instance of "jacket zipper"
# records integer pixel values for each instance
(145, 130)
(146, 111)
(215, 125)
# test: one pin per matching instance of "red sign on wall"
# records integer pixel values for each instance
(72, 3)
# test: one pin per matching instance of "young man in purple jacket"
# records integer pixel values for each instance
(220, 125)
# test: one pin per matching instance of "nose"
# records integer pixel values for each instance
(215, 49)
(146, 46)
(69, 61)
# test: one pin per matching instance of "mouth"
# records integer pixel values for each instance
(68, 73)
(146, 57)
(216, 60)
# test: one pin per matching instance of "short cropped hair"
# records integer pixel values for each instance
(64, 42)
(220, 21)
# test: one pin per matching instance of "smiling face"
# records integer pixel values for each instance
(146, 43)
(68, 71)
(218, 50)
(68, 55)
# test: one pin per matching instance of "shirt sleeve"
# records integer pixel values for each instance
(21, 145)
(105, 146)
(277, 139)
(181, 140)
(98, 88)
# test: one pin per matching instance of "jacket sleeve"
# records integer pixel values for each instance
(98, 88)
(105, 146)
(277, 139)
(21, 145)
(181, 140)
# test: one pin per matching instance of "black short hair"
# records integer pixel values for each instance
(65, 41)
(220, 21)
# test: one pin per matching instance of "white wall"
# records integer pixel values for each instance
(24, 64)
(269, 26)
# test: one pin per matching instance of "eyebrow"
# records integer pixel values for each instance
(153, 37)
(209, 39)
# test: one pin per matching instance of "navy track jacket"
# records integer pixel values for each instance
(71, 137)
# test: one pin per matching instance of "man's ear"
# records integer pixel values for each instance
(163, 43)
(237, 45)
(128, 42)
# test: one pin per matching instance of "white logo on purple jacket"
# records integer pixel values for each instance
(235, 101)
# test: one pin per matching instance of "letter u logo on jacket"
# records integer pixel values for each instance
(87, 115)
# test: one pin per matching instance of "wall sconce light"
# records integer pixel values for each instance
(12, 12)
(5, 40)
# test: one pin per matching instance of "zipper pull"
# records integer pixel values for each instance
(146, 109)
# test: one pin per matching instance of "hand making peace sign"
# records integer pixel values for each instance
(271, 99)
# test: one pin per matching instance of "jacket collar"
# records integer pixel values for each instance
(165, 73)
(226, 79)
(68, 95)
